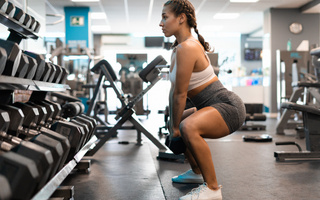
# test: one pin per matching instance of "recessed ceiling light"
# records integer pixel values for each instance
(97, 28)
(244, 1)
(85, 0)
(98, 15)
(226, 15)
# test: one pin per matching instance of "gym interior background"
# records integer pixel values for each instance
(84, 96)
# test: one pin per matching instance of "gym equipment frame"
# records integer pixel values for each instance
(151, 73)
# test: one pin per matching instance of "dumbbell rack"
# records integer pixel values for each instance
(7, 86)
(18, 31)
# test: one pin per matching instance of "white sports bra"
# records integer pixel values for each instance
(197, 78)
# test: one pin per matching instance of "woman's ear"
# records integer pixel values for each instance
(182, 18)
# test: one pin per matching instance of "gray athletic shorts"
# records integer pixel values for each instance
(228, 104)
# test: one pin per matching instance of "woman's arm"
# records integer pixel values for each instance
(185, 61)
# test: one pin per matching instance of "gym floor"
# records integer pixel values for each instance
(246, 170)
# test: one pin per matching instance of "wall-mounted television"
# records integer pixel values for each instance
(153, 41)
(253, 54)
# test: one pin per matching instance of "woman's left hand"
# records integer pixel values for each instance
(174, 132)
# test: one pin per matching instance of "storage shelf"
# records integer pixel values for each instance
(54, 183)
(14, 83)
(16, 26)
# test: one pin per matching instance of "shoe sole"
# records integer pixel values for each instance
(210, 199)
(188, 181)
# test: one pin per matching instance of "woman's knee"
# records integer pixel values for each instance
(188, 129)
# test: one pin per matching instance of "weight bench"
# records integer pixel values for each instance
(150, 74)
(253, 113)
(311, 120)
(302, 87)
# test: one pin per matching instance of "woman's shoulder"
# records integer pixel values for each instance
(187, 46)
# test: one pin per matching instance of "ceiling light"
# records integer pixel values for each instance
(226, 15)
(98, 15)
(97, 28)
(85, 0)
(243, 1)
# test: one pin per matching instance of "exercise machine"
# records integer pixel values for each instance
(150, 74)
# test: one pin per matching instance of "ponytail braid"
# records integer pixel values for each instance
(205, 44)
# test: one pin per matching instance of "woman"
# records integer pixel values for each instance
(217, 113)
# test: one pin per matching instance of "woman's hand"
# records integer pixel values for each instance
(174, 132)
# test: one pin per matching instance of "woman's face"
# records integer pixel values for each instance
(169, 22)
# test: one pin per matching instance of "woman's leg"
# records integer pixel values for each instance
(187, 153)
(205, 123)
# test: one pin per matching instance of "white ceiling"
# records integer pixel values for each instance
(134, 16)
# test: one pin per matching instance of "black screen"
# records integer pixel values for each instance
(252, 54)
(153, 41)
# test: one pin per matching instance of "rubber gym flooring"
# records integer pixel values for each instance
(246, 170)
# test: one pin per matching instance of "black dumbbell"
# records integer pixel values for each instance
(52, 72)
(37, 27)
(3, 59)
(69, 130)
(30, 122)
(27, 20)
(64, 76)
(58, 74)
(13, 57)
(21, 173)
(41, 156)
(32, 24)
(3, 5)
(176, 145)
(5, 190)
(19, 15)
(78, 108)
(10, 10)
(23, 67)
(16, 128)
(32, 67)
(40, 72)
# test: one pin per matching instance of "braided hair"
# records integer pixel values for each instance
(184, 6)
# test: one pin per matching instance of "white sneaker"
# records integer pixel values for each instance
(188, 177)
(203, 193)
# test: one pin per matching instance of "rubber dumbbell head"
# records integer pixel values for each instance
(4, 121)
(58, 74)
(41, 64)
(21, 173)
(5, 190)
(82, 108)
(23, 67)
(32, 24)
(10, 10)
(64, 76)
(13, 57)
(27, 20)
(176, 145)
(3, 5)
(71, 109)
(52, 72)
(3, 59)
(32, 67)
(37, 27)
(19, 15)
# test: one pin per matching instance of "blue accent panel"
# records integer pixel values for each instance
(266, 109)
(77, 34)
(295, 55)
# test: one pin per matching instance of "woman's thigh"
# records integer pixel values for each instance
(207, 122)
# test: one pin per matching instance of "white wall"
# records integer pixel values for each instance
(227, 45)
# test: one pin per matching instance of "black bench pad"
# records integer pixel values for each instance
(303, 108)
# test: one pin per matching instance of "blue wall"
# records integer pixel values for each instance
(77, 34)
